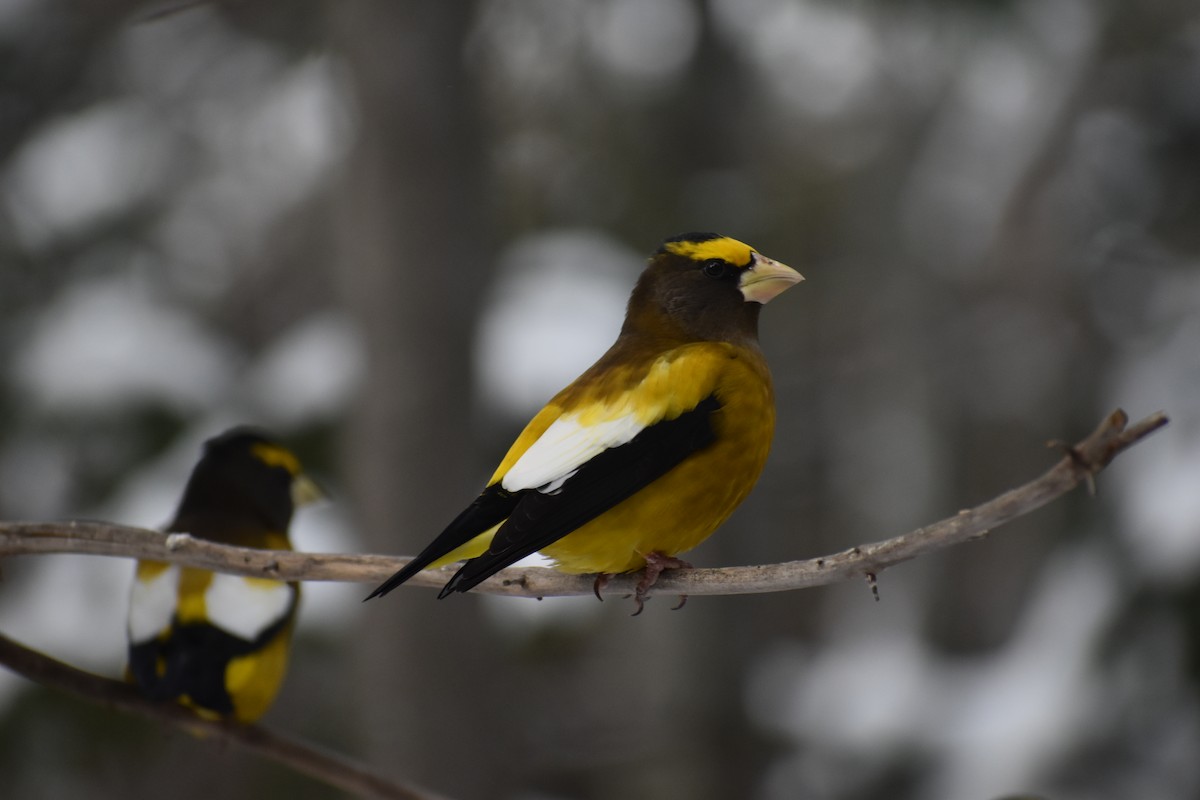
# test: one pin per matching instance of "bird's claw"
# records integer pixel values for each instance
(656, 565)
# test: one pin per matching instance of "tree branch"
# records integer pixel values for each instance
(302, 757)
(1079, 463)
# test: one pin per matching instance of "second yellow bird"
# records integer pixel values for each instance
(213, 642)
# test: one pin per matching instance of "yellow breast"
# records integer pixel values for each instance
(683, 507)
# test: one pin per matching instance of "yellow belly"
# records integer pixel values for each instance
(683, 507)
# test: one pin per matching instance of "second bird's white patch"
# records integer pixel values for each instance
(246, 608)
(152, 604)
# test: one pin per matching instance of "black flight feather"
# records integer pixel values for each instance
(492, 506)
(540, 519)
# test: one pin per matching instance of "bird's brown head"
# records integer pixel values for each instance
(705, 287)
(243, 480)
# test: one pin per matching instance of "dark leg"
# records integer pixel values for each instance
(656, 564)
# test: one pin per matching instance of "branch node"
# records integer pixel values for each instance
(1084, 468)
(178, 541)
(872, 581)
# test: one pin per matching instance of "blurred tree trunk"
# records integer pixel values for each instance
(413, 270)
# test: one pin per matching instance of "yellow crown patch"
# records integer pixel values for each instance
(275, 456)
(724, 248)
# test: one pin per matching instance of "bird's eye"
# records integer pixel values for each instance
(716, 268)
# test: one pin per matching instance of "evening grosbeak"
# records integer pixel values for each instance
(219, 643)
(650, 449)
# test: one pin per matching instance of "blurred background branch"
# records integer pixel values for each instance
(307, 759)
(1080, 464)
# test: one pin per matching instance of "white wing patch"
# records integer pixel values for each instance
(244, 607)
(565, 447)
(152, 604)
(673, 384)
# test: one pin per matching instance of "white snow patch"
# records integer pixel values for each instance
(310, 371)
(85, 168)
(70, 607)
(1009, 716)
(819, 57)
(643, 40)
(108, 343)
(1156, 483)
(327, 607)
(994, 722)
(558, 304)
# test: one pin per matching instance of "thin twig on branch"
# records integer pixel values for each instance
(1080, 463)
(302, 757)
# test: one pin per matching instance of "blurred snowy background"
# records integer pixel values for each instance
(389, 231)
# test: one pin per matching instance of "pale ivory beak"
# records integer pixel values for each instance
(765, 278)
(305, 491)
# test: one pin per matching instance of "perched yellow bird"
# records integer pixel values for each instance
(650, 449)
(219, 643)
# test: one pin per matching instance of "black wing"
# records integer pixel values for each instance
(540, 519)
(492, 506)
(192, 661)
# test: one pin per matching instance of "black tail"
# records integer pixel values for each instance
(491, 508)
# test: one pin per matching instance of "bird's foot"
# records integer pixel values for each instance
(602, 579)
(656, 565)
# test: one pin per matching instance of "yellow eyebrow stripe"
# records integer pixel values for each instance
(724, 248)
(274, 456)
